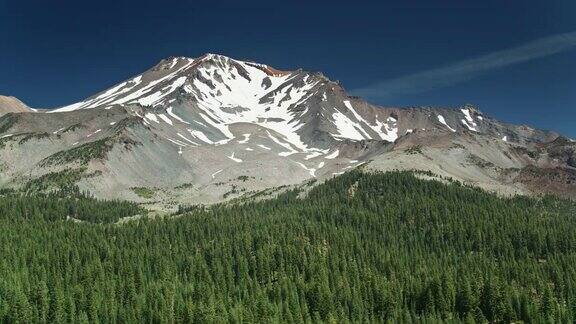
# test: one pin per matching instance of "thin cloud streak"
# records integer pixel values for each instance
(468, 69)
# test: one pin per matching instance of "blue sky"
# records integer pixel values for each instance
(395, 53)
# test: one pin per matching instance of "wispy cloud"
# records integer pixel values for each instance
(468, 69)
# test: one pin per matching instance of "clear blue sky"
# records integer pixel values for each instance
(54, 53)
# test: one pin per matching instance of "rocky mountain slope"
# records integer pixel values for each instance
(213, 128)
(11, 105)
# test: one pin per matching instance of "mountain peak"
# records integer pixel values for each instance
(212, 56)
(175, 75)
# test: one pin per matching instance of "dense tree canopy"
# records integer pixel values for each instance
(360, 247)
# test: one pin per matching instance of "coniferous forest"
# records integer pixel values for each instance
(358, 248)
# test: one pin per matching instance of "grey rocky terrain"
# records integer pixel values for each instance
(12, 105)
(213, 128)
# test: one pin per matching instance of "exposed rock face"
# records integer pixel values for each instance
(205, 129)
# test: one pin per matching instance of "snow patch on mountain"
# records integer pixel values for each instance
(188, 140)
(177, 142)
(152, 117)
(166, 119)
(264, 147)
(312, 171)
(94, 133)
(200, 135)
(233, 158)
(246, 139)
(347, 128)
(332, 155)
(216, 173)
(171, 113)
(469, 121)
(443, 121)
(390, 128)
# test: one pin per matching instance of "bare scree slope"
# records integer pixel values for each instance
(212, 128)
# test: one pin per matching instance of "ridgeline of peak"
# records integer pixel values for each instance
(9, 104)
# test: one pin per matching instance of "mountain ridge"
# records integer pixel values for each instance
(190, 128)
(10, 104)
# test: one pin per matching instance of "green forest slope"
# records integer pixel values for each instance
(360, 247)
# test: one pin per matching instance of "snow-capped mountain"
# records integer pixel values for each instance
(203, 129)
(213, 92)
(218, 91)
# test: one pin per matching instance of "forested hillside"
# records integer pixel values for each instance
(361, 247)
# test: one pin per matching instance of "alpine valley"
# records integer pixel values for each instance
(209, 129)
